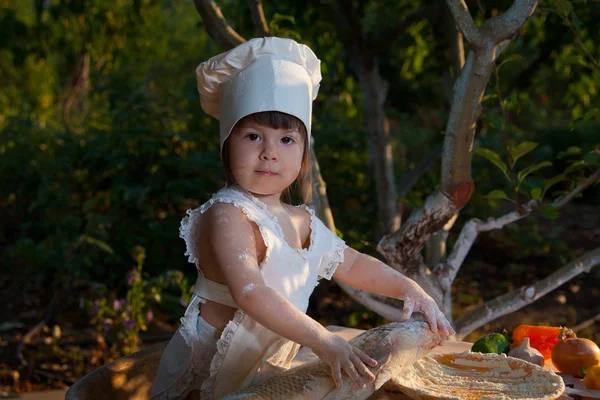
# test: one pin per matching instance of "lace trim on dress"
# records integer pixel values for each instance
(264, 208)
(222, 346)
(200, 352)
(276, 223)
(189, 322)
(334, 262)
(187, 230)
(313, 227)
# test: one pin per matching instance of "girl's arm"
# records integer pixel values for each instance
(232, 241)
(368, 273)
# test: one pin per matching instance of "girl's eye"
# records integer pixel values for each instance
(287, 140)
(253, 136)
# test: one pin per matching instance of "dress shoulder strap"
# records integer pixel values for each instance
(248, 204)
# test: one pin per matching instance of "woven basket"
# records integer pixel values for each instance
(127, 378)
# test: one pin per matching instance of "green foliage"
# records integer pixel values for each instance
(494, 158)
(120, 320)
(520, 150)
(497, 195)
(83, 185)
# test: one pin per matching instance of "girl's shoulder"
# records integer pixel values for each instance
(223, 214)
(226, 201)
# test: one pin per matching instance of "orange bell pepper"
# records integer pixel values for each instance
(542, 338)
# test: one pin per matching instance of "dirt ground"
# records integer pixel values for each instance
(67, 347)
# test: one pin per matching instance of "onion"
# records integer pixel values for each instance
(571, 353)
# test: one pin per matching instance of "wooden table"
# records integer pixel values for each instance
(391, 392)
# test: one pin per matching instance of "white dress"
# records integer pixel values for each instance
(246, 353)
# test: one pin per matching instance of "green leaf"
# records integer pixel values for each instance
(553, 181)
(591, 158)
(497, 194)
(564, 7)
(571, 151)
(494, 158)
(512, 102)
(575, 166)
(549, 212)
(493, 121)
(532, 168)
(103, 245)
(520, 150)
(536, 193)
(593, 113)
(576, 22)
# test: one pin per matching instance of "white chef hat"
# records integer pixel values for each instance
(263, 74)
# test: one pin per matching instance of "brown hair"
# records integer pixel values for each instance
(278, 120)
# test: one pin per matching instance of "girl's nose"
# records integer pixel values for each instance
(269, 153)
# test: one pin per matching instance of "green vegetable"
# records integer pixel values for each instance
(492, 343)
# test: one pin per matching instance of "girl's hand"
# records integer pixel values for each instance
(339, 354)
(415, 299)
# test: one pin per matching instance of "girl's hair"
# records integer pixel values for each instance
(278, 120)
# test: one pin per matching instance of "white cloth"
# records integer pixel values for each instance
(262, 74)
(213, 291)
(246, 352)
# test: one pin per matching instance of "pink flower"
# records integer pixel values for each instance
(175, 277)
(117, 304)
(149, 315)
(133, 276)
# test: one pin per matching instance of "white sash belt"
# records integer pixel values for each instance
(213, 291)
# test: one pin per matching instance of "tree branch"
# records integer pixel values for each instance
(402, 248)
(216, 25)
(258, 16)
(517, 299)
(457, 49)
(435, 247)
(474, 227)
(356, 33)
(382, 45)
(505, 26)
(385, 306)
(561, 201)
(319, 200)
(465, 22)
(457, 53)
(585, 324)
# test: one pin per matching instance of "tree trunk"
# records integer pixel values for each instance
(79, 90)
(319, 201)
(378, 132)
(402, 249)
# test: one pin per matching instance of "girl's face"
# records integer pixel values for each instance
(264, 160)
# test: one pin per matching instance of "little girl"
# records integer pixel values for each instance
(258, 258)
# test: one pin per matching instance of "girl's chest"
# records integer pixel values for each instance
(293, 231)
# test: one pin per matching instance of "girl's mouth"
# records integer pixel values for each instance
(267, 173)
